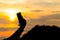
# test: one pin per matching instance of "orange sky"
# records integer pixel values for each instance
(40, 12)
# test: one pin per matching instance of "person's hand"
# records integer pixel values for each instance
(22, 21)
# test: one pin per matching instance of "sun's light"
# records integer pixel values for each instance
(11, 13)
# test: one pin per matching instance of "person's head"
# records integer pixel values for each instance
(19, 13)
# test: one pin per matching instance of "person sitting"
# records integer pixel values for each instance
(36, 33)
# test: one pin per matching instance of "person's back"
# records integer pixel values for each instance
(42, 32)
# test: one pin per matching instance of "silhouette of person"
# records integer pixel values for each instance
(22, 24)
(36, 33)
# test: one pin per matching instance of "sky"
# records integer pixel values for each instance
(41, 12)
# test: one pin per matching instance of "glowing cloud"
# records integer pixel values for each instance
(11, 13)
(13, 1)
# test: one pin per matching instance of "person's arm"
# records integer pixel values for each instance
(22, 24)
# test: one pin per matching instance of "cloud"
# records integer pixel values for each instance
(44, 4)
(46, 20)
(3, 21)
(12, 1)
(43, 1)
(6, 32)
(7, 29)
(54, 16)
(1, 38)
(36, 10)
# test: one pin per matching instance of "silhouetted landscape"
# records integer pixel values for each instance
(36, 33)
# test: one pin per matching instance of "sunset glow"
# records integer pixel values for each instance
(11, 13)
(36, 12)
